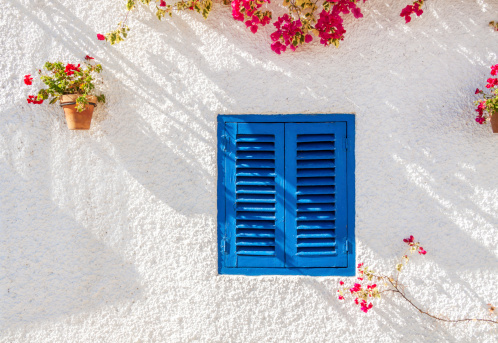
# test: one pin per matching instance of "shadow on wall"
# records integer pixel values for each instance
(457, 226)
(169, 168)
(58, 267)
(390, 315)
(51, 265)
(171, 152)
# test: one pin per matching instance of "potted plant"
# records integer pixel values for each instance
(73, 85)
(487, 106)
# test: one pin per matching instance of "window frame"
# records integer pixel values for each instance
(349, 119)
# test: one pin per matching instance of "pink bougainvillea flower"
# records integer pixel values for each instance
(308, 38)
(409, 240)
(478, 91)
(163, 3)
(288, 34)
(237, 15)
(88, 58)
(278, 47)
(341, 283)
(249, 12)
(28, 80)
(406, 12)
(341, 297)
(421, 251)
(357, 13)
(330, 26)
(100, 36)
(411, 9)
(360, 265)
(365, 307)
(417, 10)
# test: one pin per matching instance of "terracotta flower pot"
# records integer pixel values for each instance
(494, 122)
(78, 120)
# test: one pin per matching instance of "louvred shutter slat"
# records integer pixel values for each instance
(255, 195)
(316, 199)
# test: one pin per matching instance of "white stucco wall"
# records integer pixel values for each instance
(109, 235)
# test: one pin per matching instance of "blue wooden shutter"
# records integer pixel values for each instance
(316, 199)
(255, 195)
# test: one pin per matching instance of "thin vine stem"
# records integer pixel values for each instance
(402, 294)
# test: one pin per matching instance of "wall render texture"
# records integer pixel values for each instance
(109, 235)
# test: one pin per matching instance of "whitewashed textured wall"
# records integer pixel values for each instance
(109, 235)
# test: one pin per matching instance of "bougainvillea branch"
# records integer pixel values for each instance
(365, 289)
(305, 18)
(396, 289)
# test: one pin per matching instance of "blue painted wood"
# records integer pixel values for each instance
(230, 196)
(285, 118)
(289, 271)
(351, 197)
(221, 195)
(303, 251)
(259, 195)
(310, 231)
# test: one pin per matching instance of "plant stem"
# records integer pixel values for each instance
(397, 290)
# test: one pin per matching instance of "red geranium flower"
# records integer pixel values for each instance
(480, 120)
(33, 99)
(491, 83)
(494, 69)
(71, 68)
(28, 80)
(100, 36)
